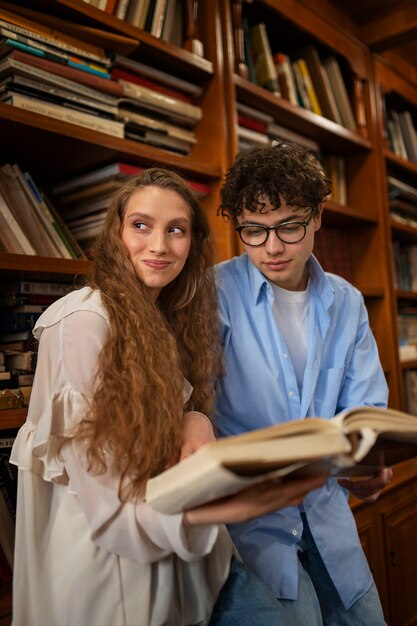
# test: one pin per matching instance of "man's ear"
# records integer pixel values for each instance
(317, 217)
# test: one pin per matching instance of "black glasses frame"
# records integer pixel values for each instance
(267, 230)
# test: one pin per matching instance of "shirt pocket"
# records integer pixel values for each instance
(328, 387)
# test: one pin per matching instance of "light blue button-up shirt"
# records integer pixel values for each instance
(260, 389)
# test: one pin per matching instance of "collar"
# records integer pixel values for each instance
(318, 281)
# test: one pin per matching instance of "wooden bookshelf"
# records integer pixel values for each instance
(352, 35)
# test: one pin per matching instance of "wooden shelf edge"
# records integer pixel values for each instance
(400, 227)
(408, 365)
(299, 119)
(12, 418)
(32, 264)
(405, 295)
(122, 147)
(344, 210)
(393, 158)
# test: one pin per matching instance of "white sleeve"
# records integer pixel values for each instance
(132, 530)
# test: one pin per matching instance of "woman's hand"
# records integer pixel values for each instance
(197, 431)
(253, 502)
(370, 488)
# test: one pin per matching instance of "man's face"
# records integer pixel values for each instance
(282, 263)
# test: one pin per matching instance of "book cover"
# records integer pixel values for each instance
(266, 73)
(356, 442)
(309, 87)
(39, 31)
(105, 85)
(120, 73)
(286, 78)
(70, 116)
(321, 83)
(338, 86)
(21, 243)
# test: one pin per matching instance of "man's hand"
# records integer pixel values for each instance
(197, 431)
(257, 500)
(368, 489)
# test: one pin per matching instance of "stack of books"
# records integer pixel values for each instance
(47, 72)
(29, 222)
(256, 128)
(22, 303)
(84, 199)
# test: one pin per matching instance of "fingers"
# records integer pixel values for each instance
(370, 488)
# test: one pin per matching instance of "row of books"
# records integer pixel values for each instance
(303, 78)
(22, 303)
(161, 18)
(256, 128)
(401, 135)
(407, 333)
(28, 220)
(331, 247)
(84, 199)
(41, 72)
(405, 265)
(402, 199)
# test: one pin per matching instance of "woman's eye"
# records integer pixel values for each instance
(176, 230)
(141, 226)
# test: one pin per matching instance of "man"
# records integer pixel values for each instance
(297, 343)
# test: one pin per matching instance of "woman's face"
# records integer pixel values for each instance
(156, 231)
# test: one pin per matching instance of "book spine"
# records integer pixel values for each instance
(97, 82)
(48, 35)
(37, 288)
(119, 73)
(11, 321)
(161, 102)
(18, 233)
(78, 118)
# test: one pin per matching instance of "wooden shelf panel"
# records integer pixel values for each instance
(397, 163)
(79, 148)
(408, 365)
(24, 266)
(145, 47)
(12, 418)
(335, 213)
(331, 136)
(405, 295)
(403, 231)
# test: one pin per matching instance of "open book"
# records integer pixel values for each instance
(355, 442)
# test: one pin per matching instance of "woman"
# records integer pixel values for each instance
(124, 364)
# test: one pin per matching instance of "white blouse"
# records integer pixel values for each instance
(82, 557)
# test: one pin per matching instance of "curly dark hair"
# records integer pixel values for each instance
(283, 170)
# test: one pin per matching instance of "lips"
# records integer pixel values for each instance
(277, 265)
(156, 265)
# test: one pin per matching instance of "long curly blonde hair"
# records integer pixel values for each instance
(137, 406)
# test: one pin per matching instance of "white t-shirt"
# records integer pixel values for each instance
(291, 310)
(83, 558)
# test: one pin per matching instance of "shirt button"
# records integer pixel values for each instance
(294, 532)
(291, 393)
(285, 355)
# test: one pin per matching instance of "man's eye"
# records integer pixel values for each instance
(253, 231)
(290, 228)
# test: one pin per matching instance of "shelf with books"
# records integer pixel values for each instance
(85, 18)
(329, 134)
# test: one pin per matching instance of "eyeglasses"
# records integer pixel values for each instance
(287, 232)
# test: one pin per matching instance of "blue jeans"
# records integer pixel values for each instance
(318, 602)
(244, 600)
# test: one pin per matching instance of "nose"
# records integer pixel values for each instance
(273, 244)
(158, 242)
